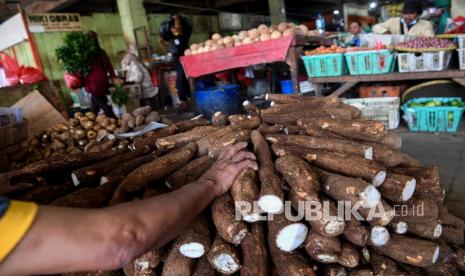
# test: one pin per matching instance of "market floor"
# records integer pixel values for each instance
(447, 151)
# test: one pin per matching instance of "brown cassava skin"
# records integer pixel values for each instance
(322, 248)
(423, 229)
(187, 125)
(265, 128)
(391, 140)
(393, 186)
(320, 224)
(185, 138)
(176, 264)
(90, 197)
(150, 139)
(446, 218)
(219, 247)
(47, 194)
(334, 270)
(300, 103)
(361, 272)
(203, 268)
(428, 184)
(103, 145)
(129, 166)
(224, 217)
(355, 112)
(158, 168)
(271, 184)
(370, 131)
(349, 256)
(141, 111)
(298, 174)
(275, 226)
(452, 235)
(383, 266)
(355, 232)
(144, 265)
(251, 109)
(58, 163)
(292, 130)
(219, 119)
(189, 172)
(308, 142)
(415, 213)
(289, 263)
(407, 161)
(205, 143)
(442, 269)
(254, 252)
(459, 258)
(385, 155)
(250, 122)
(221, 143)
(236, 118)
(197, 232)
(245, 189)
(386, 217)
(408, 250)
(314, 130)
(291, 118)
(93, 172)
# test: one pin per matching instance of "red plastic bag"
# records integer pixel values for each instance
(30, 75)
(11, 67)
(73, 80)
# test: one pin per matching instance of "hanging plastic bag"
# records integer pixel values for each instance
(73, 80)
(11, 67)
(30, 75)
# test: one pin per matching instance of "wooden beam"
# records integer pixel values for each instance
(48, 6)
(343, 89)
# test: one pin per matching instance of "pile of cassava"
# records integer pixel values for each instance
(309, 149)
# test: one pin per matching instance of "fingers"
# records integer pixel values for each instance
(247, 164)
(229, 151)
(242, 155)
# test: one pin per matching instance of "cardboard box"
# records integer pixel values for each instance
(13, 134)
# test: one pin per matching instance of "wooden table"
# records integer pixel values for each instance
(351, 81)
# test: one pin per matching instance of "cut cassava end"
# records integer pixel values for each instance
(195, 241)
(271, 193)
(382, 214)
(176, 264)
(319, 143)
(158, 168)
(288, 235)
(219, 119)
(379, 236)
(251, 108)
(254, 252)
(189, 173)
(416, 252)
(144, 264)
(291, 118)
(223, 257)
(245, 191)
(323, 249)
(349, 256)
(398, 227)
(426, 229)
(224, 217)
(398, 188)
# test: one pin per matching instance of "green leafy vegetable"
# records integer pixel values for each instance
(76, 53)
(119, 96)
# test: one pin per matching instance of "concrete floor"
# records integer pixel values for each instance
(447, 151)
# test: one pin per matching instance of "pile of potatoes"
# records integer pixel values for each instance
(137, 120)
(65, 139)
(261, 33)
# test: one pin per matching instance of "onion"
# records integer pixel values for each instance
(253, 33)
(216, 36)
(228, 40)
(209, 42)
(265, 37)
(247, 40)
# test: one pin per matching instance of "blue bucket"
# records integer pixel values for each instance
(286, 87)
(224, 98)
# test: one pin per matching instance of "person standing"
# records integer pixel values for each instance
(97, 82)
(175, 34)
(409, 24)
(137, 73)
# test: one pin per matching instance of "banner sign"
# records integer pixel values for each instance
(54, 22)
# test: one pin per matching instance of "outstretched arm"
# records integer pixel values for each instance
(67, 240)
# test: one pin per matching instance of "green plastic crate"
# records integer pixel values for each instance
(370, 62)
(328, 65)
(433, 119)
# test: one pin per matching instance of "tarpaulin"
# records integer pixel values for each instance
(236, 57)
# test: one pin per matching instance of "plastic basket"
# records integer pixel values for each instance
(370, 62)
(379, 109)
(424, 62)
(461, 41)
(329, 65)
(461, 59)
(433, 119)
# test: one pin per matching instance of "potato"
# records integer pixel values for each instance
(141, 111)
(96, 127)
(228, 40)
(282, 27)
(253, 33)
(126, 117)
(82, 143)
(273, 28)
(91, 134)
(78, 134)
(101, 133)
(276, 34)
(265, 37)
(152, 117)
(111, 127)
(236, 38)
(73, 122)
(194, 47)
(263, 27)
(113, 121)
(243, 34)
(247, 40)
(220, 41)
(86, 124)
(216, 36)
(91, 116)
(209, 42)
(139, 120)
(288, 32)
(78, 115)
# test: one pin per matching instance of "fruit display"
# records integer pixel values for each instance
(365, 49)
(261, 33)
(436, 103)
(322, 50)
(425, 44)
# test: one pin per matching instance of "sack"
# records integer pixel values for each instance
(73, 80)
(30, 75)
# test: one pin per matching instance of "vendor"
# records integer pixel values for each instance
(409, 24)
(175, 34)
(355, 30)
(137, 73)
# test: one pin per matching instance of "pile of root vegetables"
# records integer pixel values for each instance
(309, 149)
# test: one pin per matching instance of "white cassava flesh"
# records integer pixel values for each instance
(103, 180)
(437, 231)
(192, 250)
(76, 181)
(291, 237)
(270, 204)
(409, 189)
(369, 153)
(435, 255)
(401, 227)
(379, 235)
(239, 237)
(226, 264)
(370, 197)
(379, 179)
(334, 227)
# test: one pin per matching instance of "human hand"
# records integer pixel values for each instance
(231, 161)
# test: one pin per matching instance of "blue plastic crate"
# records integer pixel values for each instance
(328, 65)
(370, 62)
(433, 119)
